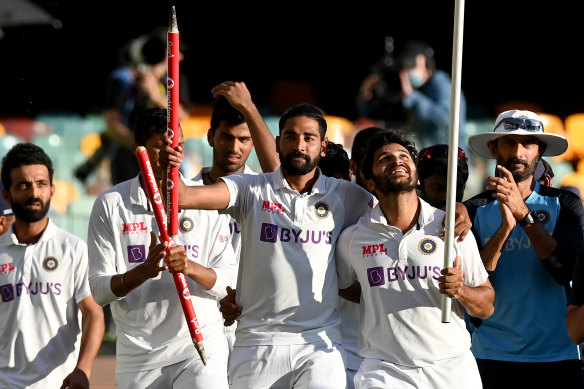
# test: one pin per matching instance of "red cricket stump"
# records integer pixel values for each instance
(179, 279)
(172, 94)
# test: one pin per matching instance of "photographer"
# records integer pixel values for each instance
(137, 84)
(407, 92)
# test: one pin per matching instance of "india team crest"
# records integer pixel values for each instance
(427, 246)
(50, 264)
(186, 224)
(321, 209)
(543, 216)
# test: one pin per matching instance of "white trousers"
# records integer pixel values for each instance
(457, 373)
(303, 366)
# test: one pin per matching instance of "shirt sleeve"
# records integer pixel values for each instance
(569, 234)
(102, 254)
(345, 271)
(473, 269)
(221, 259)
(360, 202)
(82, 289)
(577, 293)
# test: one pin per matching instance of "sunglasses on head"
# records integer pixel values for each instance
(439, 151)
(532, 125)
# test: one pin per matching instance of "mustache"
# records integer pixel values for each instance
(238, 155)
(298, 154)
(33, 200)
(516, 161)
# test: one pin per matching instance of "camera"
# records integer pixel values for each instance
(388, 88)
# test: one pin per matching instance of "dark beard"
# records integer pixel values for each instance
(301, 170)
(386, 186)
(526, 174)
(28, 215)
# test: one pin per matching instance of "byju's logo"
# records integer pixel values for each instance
(7, 292)
(10, 292)
(271, 233)
(136, 253)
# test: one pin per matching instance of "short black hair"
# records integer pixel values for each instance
(150, 122)
(438, 164)
(224, 111)
(381, 139)
(308, 110)
(335, 162)
(23, 154)
(359, 147)
(407, 53)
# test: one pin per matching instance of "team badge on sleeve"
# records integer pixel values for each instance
(186, 224)
(50, 264)
(321, 209)
(427, 246)
(543, 216)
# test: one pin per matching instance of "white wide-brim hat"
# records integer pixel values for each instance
(556, 144)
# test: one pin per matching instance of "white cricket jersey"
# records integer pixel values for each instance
(234, 230)
(150, 323)
(400, 297)
(41, 286)
(287, 284)
(234, 227)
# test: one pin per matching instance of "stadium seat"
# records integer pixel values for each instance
(7, 141)
(89, 143)
(195, 126)
(21, 126)
(338, 128)
(555, 125)
(574, 125)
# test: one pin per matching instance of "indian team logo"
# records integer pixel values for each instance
(427, 246)
(321, 209)
(50, 264)
(186, 224)
(543, 216)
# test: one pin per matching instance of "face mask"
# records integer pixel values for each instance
(416, 78)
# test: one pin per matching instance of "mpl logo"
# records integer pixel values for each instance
(268, 206)
(134, 228)
(6, 267)
(373, 250)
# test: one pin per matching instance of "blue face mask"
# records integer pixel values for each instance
(416, 78)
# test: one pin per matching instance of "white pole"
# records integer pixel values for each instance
(453, 147)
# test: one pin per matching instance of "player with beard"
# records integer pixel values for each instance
(43, 284)
(530, 236)
(396, 254)
(232, 142)
(288, 333)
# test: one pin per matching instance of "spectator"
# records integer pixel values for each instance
(139, 84)
(530, 236)
(154, 346)
(43, 278)
(403, 342)
(409, 93)
(6, 215)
